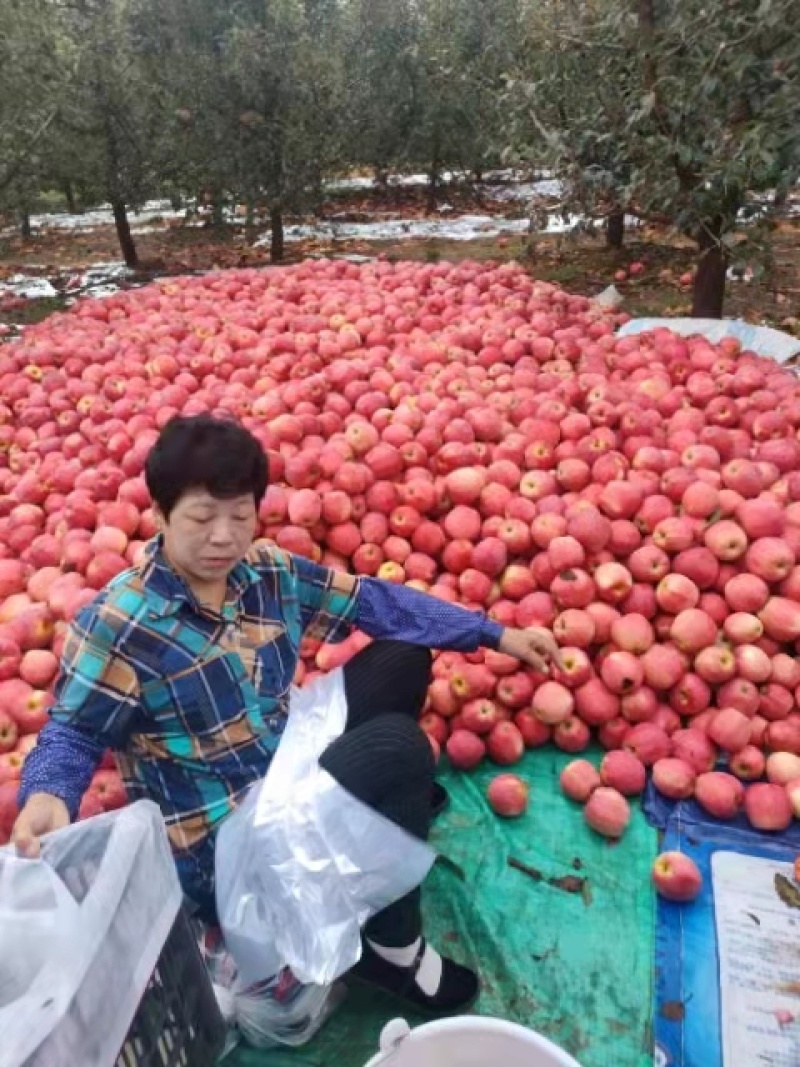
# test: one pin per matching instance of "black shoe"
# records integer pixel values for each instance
(440, 799)
(458, 988)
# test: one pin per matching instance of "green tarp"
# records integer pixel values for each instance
(564, 945)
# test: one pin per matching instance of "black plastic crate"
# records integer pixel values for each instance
(178, 1022)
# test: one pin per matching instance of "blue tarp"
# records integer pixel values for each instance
(687, 1010)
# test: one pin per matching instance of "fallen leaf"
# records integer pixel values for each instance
(673, 1010)
(788, 893)
(531, 872)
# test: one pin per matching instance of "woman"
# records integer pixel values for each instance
(183, 665)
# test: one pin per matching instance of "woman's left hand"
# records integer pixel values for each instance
(535, 646)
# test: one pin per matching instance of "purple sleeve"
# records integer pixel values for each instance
(402, 614)
(61, 764)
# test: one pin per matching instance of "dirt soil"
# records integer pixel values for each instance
(579, 263)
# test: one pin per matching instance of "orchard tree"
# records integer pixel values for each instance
(36, 67)
(490, 39)
(381, 76)
(719, 112)
(565, 109)
(424, 84)
(111, 117)
(286, 61)
(252, 97)
(703, 117)
(186, 54)
(463, 51)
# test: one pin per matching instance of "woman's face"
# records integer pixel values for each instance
(205, 537)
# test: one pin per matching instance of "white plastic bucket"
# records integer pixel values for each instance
(467, 1041)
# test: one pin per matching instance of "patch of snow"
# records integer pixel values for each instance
(99, 280)
(459, 228)
(410, 180)
(393, 181)
(102, 279)
(491, 179)
(509, 174)
(27, 287)
(523, 190)
(103, 216)
(101, 290)
(345, 184)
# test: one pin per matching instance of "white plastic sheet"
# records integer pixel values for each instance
(81, 930)
(760, 339)
(302, 864)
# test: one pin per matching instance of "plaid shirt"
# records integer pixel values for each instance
(192, 701)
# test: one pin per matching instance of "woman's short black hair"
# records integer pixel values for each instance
(204, 452)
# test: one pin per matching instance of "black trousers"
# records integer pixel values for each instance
(385, 759)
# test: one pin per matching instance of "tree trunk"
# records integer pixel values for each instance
(433, 190)
(25, 225)
(615, 229)
(277, 242)
(317, 186)
(647, 14)
(116, 195)
(433, 176)
(124, 235)
(708, 295)
(781, 197)
(69, 196)
(217, 208)
(175, 201)
(250, 221)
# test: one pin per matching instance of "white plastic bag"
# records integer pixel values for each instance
(302, 864)
(37, 913)
(81, 930)
(280, 1011)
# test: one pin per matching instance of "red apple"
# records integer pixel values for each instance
(720, 794)
(107, 786)
(579, 779)
(677, 877)
(465, 749)
(508, 796)
(607, 812)
(624, 772)
(505, 744)
(674, 778)
(767, 807)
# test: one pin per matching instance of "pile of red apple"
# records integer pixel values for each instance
(472, 432)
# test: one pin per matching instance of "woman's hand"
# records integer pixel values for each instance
(41, 815)
(535, 646)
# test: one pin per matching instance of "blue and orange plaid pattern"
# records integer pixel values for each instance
(193, 702)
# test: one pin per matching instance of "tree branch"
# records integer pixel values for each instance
(14, 169)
